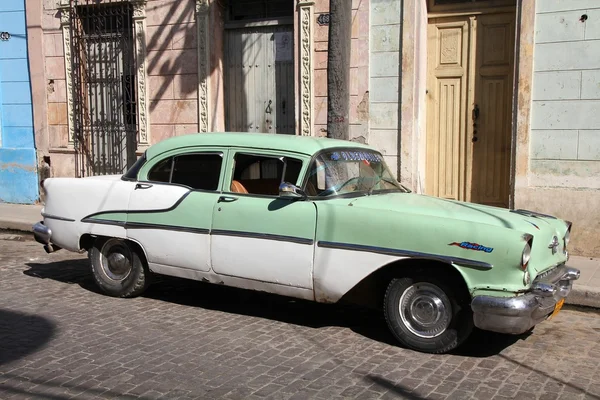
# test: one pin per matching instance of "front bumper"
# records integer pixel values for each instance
(43, 235)
(518, 314)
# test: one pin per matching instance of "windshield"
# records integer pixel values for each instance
(358, 171)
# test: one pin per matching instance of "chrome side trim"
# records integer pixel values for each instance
(103, 221)
(171, 208)
(407, 253)
(143, 225)
(267, 236)
(50, 216)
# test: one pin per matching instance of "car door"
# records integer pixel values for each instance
(255, 234)
(170, 210)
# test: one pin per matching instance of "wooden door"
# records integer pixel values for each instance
(492, 110)
(469, 101)
(259, 79)
(447, 90)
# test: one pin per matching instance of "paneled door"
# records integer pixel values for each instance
(469, 96)
(259, 79)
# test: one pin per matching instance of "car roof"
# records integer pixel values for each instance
(308, 145)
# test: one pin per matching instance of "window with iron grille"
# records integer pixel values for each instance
(103, 76)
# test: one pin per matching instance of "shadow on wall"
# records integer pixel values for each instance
(22, 334)
(175, 24)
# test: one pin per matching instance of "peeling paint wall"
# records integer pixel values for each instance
(359, 70)
(565, 110)
(18, 172)
(557, 168)
(385, 79)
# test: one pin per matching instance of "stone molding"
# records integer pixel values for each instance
(65, 25)
(139, 21)
(306, 15)
(202, 26)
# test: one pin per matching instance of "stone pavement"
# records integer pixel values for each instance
(60, 339)
(586, 290)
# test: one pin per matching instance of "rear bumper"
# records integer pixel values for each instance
(518, 314)
(43, 235)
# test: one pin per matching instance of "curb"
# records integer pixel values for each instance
(20, 226)
(582, 295)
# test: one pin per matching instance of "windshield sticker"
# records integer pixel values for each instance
(355, 156)
(472, 246)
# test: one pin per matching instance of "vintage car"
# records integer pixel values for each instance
(317, 219)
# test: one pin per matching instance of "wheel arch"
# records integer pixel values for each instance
(369, 291)
(86, 241)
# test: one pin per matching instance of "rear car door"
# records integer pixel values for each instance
(170, 209)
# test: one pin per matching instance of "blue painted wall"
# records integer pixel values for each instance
(18, 165)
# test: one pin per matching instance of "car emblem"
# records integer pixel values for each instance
(553, 244)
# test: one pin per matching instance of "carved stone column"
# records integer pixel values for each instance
(65, 24)
(202, 26)
(306, 15)
(139, 21)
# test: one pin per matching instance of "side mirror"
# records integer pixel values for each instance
(291, 191)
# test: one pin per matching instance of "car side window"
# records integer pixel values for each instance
(257, 174)
(198, 171)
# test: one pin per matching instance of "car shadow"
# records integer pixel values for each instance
(363, 321)
(483, 344)
(22, 334)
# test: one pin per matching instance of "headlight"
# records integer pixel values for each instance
(526, 256)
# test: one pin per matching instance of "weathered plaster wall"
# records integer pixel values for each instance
(172, 65)
(385, 79)
(565, 115)
(54, 132)
(359, 71)
(411, 143)
(35, 35)
(557, 166)
(18, 171)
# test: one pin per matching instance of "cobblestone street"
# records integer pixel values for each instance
(60, 338)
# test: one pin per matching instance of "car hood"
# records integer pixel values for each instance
(417, 204)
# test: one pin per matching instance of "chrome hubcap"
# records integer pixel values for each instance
(116, 259)
(425, 310)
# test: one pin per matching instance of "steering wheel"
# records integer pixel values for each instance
(337, 188)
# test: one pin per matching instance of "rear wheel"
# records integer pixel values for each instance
(426, 314)
(118, 267)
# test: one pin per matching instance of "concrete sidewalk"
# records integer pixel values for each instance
(586, 290)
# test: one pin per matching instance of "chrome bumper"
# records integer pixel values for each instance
(43, 235)
(518, 314)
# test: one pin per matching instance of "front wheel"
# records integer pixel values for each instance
(427, 315)
(118, 268)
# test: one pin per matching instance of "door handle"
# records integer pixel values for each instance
(142, 186)
(476, 113)
(268, 109)
(227, 199)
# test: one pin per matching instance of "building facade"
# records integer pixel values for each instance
(489, 101)
(18, 172)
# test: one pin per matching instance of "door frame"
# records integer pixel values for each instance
(473, 9)
(275, 22)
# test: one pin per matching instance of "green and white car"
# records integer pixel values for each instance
(316, 219)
